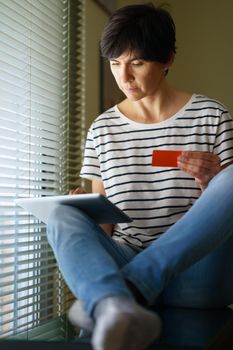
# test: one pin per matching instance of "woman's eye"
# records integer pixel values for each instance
(137, 63)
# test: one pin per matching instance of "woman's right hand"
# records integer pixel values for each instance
(77, 190)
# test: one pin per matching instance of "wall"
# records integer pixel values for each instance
(204, 49)
(204, 46)
(96, 19)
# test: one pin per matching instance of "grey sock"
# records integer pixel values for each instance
(122, 324)
(79, 318)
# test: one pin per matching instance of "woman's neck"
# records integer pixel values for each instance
(155, 109)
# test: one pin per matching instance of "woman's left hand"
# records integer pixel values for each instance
(203, 166)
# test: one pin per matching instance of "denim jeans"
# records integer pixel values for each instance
(190, 265)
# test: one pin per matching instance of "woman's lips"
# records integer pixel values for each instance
(131, 89)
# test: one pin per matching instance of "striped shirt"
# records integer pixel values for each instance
(119, 153)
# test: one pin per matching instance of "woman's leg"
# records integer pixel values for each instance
(91, 265)
(201, 231)
(206, 284)
(88, 258)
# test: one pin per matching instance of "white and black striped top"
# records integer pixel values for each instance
(119, 152)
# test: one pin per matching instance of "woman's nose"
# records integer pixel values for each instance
(126, 75)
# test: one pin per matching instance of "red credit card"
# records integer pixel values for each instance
(165, 158)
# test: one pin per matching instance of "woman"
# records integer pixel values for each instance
(176, 249)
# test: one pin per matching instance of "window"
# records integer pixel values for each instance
(41, 139)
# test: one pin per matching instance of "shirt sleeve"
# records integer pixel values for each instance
(91, 167)
(224, 138)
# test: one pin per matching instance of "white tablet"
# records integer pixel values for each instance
(95, 205)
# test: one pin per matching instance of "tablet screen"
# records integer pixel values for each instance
(95, 205)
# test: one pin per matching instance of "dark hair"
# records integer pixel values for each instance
(145, 29)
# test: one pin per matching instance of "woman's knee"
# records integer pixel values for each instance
(63, 220)
(54, 219)
(56, 214)
(65, 213)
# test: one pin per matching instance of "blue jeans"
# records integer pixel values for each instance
(190, 265)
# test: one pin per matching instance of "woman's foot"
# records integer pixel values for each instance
(121, 324)
(79, 318)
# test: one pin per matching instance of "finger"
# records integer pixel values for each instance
(199, 165)
(196, 156)
(201, 175)
(197, 168)
(78, 190)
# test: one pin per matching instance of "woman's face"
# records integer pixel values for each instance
(136, 77)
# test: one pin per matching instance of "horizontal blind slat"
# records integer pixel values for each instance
(38, 154)
(32, 84)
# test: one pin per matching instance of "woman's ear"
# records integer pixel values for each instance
(169, 62)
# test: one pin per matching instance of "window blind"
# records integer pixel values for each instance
(41, 138)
